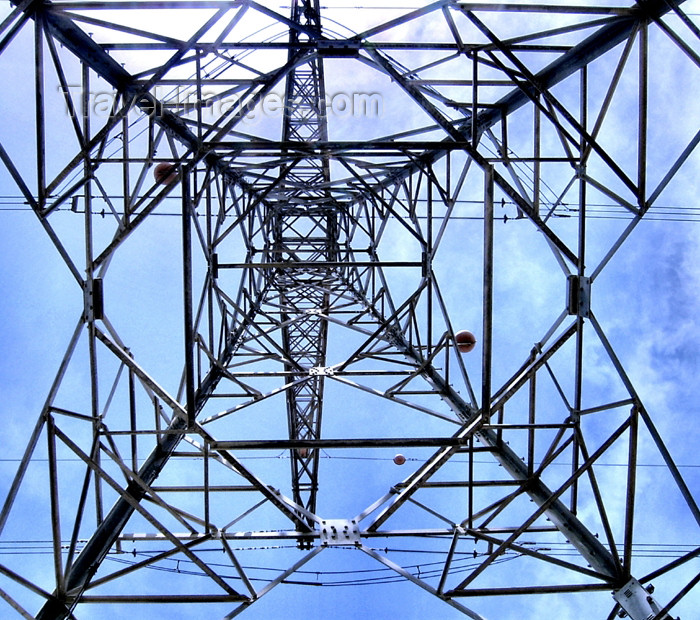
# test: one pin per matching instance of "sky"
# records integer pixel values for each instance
(644, 299)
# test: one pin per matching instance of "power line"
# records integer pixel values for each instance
(463, 562)
(670, 213)
(365, 458)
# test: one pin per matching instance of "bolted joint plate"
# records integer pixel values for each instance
(339, 532)
(637, 602)
(321, 371)
(578, 296)
(93, 297)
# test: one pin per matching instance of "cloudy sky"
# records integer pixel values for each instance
(644, 299)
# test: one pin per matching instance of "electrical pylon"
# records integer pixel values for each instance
(314, 242)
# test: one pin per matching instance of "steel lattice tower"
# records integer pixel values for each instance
(317, 202)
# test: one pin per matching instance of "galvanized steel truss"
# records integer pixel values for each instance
(309, 273)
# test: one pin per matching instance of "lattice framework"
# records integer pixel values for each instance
(309, 270)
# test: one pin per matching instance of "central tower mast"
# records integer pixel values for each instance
(304, 230)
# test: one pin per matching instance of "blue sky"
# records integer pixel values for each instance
(645, 300)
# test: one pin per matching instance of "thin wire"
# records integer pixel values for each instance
(284, 455)
(422, 570)
(656, 214)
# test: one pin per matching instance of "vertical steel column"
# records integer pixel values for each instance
(187, 296)
(487, 336)
(39, 111)
(581, 269)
